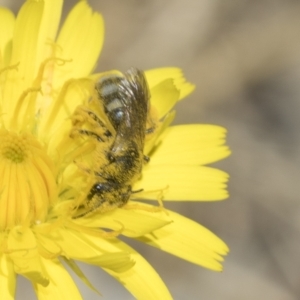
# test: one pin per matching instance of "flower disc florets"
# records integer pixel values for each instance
(14, 147)
(28, 185)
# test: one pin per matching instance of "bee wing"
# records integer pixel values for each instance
(136, 86)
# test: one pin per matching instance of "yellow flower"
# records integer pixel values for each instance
(44, 78)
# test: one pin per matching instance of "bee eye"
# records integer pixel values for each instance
(119, 115)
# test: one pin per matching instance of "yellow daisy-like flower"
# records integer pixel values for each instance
(44, 78)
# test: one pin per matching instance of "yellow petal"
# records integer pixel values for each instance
(141, 280)
(190, 241)
(61, 284)
(80, 40)
(48, 29)
(24, 53)
(89, 248)
(57, 118)
(157, 75)
(66, 239)
(116, 262)
(190, 144)
(7, 278)
(135, 223)
(23, 252)
(25, 38)
(183, 182)
(7, 21)
(164, 96)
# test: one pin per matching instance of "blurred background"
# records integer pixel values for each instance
(244, 57)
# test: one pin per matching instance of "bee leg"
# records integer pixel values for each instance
(138, 205)
(82, 167)
(137, 191)
(95, 118)
(159, 197)
(83, 115)
(89, 133)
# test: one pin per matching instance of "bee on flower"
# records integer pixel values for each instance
(126, 104)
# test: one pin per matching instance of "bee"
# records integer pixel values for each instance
(126, 102)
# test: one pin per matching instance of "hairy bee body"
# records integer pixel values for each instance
(126, 102)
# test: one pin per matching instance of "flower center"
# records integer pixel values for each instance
(14, 148)
(27, 186)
